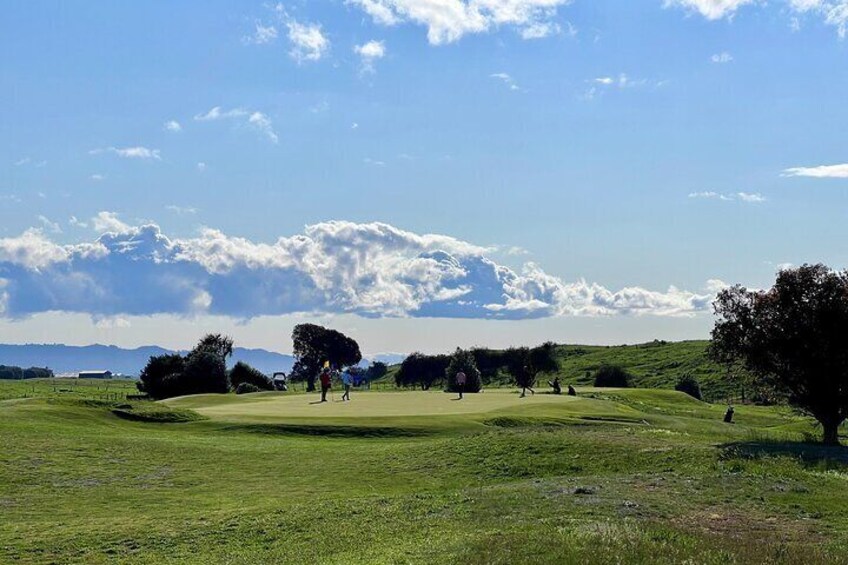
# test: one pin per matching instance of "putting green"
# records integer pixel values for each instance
(363, 404)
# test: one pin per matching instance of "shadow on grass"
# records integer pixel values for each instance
(339, 431)
(807, 452)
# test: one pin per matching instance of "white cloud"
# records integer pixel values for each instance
(181, 210)
(137, 152)
(201, 166)
(821, 171)
(49, 224)
(109, 222)
(749, 197)
(23, 161)
(307, 40)
(449, 20)
(721, 58)
(97, 177)
(334, 267)
(253, 119)
(262, 34)
(370, 52)
(506, 79)
(374, 162)
(710, 9)
(833, 12)
(173, 125)
(73, 221)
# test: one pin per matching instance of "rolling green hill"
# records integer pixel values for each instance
(656, 364)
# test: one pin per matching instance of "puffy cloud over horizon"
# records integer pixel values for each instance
(369, 269)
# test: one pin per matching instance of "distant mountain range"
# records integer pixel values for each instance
(73, 359)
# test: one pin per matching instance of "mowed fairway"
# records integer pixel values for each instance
(279, 406)
(628, 476)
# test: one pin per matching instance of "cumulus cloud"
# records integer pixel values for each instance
(370, 52)
(137, 152)
(308, 42)
(819, 172)
(449, 20)
(371, 269)
(173, 125)
(49, 224)
(255, 120)
(832, 12)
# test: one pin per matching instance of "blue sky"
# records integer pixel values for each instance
(619, 148)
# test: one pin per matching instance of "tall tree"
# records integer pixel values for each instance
(216, 344)
(792, 338)
(525, 364)
(314, 345)
(422, 370)
(463, 360)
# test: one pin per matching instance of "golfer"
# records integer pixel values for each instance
(347, 380)
(326, 382)
(460, 383)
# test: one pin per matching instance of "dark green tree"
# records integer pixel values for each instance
(422, 370)
(792, 339)
(376, 371)
(216, 344)
(612, 376)
(314, 345)
(525, 364)
(160, 377)
(244, 373)
(463, 360)
(689, 384)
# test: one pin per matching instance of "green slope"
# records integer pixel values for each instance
(657, 364)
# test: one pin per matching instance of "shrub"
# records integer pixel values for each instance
(204, 372)
(612, 376)
(463, 360)
(689, 385)
(159, 378)
(247, 388)
(243, 373)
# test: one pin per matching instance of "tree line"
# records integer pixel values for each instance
(11, 372)
(522, 365)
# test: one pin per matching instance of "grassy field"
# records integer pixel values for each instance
(628, 476)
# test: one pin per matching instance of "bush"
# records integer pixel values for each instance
(247, 388)
(612, 376)
(160, 377)
(204, 372)
(463, 360)
(689, 385)
(243, 373)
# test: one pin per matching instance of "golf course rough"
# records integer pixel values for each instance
(629, 476)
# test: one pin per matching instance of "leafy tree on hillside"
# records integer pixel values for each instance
(11, 373)
(244, 373)
(463, 360)
(612, 376)
(314, 345)
(422, 370)
(793, 339)
(525, 364)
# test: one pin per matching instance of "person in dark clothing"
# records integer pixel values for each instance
(728, 416)
(571, 391)
(556, 386)
(460, 383)
(326, 383)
